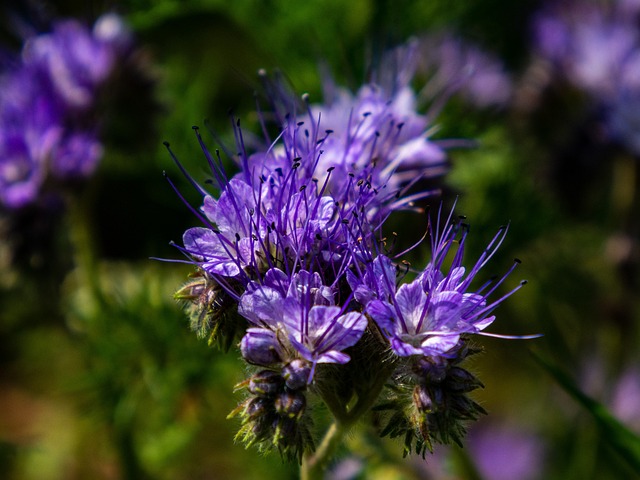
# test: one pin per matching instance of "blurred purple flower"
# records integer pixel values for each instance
(596, 49)
(504, 452)
(45, 105)
(626, 398)
(456, 66)
(74, 60)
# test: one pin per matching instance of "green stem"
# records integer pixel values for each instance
(85, 258)
(313, 465)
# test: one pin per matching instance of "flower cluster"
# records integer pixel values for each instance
(48, 132)
(292, 258)
(595, 48)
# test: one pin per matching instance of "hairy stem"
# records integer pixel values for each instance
(313, 465)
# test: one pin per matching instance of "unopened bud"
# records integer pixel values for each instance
(266, 383)
(296, 374)
(291, 404)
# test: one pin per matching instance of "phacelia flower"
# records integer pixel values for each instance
(594, 48)
(294, 241)
(46, 101)
(299, 322)
(429, 315)
(458, 67)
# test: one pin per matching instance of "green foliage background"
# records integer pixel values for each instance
(100, 376)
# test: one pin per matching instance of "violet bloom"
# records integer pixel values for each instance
(505, 452)
(302, 322)
(428, 315)
(595, 48)
(374, 137)
(45, 103)
(258, 224)
(378, 132)
(457, 67)
(74, 58)
(30, 130)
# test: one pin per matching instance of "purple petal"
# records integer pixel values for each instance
(263, 305)
(403, 349)
(333, 356)
(411, 301)
(446, 310)
(437, 344)
(383, 314)
(206, 246)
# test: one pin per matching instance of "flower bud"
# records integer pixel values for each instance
(256, 407)
(422, 400)
(266, 383)
(296, 374)
(291, 404)
(260, 347)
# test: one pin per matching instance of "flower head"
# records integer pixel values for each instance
(297, 318)
(594, 48)
(46, 100)
(428, 315)
(456, 66)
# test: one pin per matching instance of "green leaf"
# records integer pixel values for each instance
(619, 437)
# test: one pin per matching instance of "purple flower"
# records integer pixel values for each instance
(428, 315)
(45, 104)
(591, 46)
(30, 131)
(230, 245)
(504, 452)
(459, 67)
(378, 134)
(75, 61)
(300, 320)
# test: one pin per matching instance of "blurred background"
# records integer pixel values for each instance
(100, 376)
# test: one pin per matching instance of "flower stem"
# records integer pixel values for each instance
(313, 465)
(82, 238)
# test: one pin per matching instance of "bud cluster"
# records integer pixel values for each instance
(212, 311)
(275, 414)
(430, 403)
